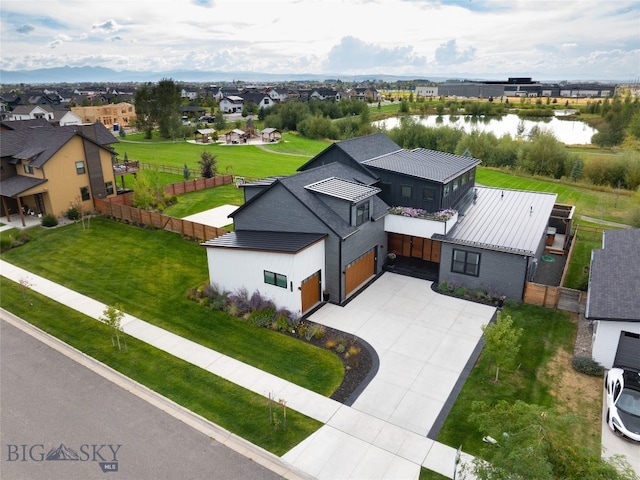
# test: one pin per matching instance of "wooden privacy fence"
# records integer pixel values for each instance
(561, 298)
(121, 207)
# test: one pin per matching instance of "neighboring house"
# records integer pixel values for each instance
(426, 91)
(231, 104)
(31, 112)
(46, 169)
(65, 117)
(121, 114)
(613, 300)
(365, 94)
(326, 94)
(189, 95)
(472, 236)
(261, 100)
(278, 95)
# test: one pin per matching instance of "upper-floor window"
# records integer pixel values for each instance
(429, 194)
(276, 279)
(80, 170)
(464, 178)
(445, 189)
(108, 186)
(467, 263)
(28, 168)
(362, 214)
(455, 184)
(84, 193)
(406, 191)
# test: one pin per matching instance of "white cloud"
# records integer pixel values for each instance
(420, 37)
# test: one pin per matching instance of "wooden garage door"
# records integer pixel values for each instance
(416, 247)
(360, 270)
(310, 291)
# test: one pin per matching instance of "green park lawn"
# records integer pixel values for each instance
(149, 272)
(234, 408)
(249, 161)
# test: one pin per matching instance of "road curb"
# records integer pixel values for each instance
(204, 426)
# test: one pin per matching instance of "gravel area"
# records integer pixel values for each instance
(582, 347)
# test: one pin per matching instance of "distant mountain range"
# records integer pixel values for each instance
(68, 74)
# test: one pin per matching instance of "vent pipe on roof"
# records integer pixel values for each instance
(475, 195)
(531, 210)
(502, 194)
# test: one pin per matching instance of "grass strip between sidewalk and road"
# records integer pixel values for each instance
(234, 408)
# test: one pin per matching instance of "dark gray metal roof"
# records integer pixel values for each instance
(614, 277)
(285, 242)
(369, 146)
(295, 185)
(343, 189)
(425, 164)
(17, 184)
(511, 221)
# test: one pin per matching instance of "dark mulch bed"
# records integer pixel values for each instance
(359, 369)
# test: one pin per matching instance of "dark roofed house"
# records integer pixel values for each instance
(613, 302)
(369, 198)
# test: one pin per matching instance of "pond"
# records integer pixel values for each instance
(570, 132)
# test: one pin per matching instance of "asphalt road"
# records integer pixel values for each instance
(48, 400)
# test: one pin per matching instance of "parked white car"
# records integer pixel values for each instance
(623, 402)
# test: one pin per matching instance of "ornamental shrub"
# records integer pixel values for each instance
(49, 221)
(588, 366)
(73, 214)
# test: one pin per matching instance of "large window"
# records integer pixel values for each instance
(276, 279)
(362, 214)
(80, 168)
(406, 191)
(84, 193)
(467, 263)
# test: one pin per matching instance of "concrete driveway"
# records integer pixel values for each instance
(423, 340)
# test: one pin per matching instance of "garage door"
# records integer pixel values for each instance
(628, 354)
(310, 291)
(360, 270)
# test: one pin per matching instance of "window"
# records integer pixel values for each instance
(109, 188)
(362, 214)
(464, 178)
(467, 263)
(406, 191)
(445, 190)
(455, 184)
(80, 168)
(28, 168)
(84, 193)
(276, 279)
(429, 194)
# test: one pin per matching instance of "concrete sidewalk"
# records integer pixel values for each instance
(351, 444)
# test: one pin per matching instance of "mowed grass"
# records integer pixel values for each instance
(604, 205)
(236, 409)
(244, 160)
(149, 273)
(544, 333)
(195, 202)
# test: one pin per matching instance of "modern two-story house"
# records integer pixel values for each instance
(362, 199)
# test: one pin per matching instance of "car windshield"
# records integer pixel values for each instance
(629, 402)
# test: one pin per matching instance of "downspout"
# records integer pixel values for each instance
(340, 271)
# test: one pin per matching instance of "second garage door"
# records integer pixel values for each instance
(360, 270)
(628, 354)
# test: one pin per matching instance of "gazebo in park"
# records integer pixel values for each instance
(204, 135)
(236, 136)
(271, 135)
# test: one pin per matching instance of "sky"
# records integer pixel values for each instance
(548, 40)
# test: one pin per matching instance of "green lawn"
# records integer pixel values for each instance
(605, 204)
(195, 202)
(544, 333)
(244, 160)
(588, 238)
(238, 410)
(149, 273)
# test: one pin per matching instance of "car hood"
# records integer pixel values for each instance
(631, 422)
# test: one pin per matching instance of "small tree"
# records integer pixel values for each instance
(208, 165)
(502, 341)
(186, 173)
(112, 316)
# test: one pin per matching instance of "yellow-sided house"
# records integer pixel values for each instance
(47, 169)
